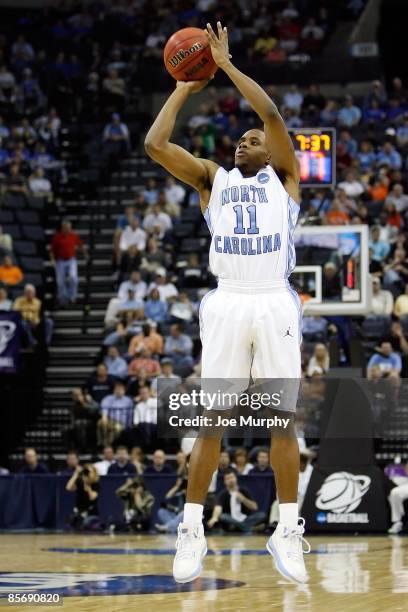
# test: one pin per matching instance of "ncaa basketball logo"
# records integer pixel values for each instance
(342, 492)
(7, 329)
(263, 177)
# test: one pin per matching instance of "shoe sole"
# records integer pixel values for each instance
(279, 566)
(196, 574)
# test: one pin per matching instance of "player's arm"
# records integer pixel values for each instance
(199, 173)
(278, 141)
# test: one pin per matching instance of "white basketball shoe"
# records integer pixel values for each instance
(396, 527)
(286, 547)
(191, 548)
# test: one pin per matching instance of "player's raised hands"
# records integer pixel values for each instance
(192, 86)
(219, 44)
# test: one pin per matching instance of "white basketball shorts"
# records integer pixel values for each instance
(251, 330)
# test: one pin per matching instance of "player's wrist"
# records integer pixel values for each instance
(225, 65)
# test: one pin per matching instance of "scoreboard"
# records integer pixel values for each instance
(315, 149)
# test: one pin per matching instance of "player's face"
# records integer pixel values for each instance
(251, 153)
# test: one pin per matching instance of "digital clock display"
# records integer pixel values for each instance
(315, 150)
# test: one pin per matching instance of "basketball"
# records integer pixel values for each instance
(187, 56)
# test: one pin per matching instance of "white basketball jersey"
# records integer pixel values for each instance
(252, 222)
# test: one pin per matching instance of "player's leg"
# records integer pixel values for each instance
(277, 362)
(226, 359)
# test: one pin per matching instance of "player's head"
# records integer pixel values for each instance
(251, 153)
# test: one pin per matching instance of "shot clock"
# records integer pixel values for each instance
(316, 150)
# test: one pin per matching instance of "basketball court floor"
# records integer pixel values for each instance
(124, 572)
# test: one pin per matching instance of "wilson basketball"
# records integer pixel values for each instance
(187, 56)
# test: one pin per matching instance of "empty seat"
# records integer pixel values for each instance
(36, 203)
(24, 247)
(32, 264)
(34, 279)
(28, 216)
(13, 230)
(192, 245)
(375, 327)
(6, 216)
(34, 232)
(182, 230)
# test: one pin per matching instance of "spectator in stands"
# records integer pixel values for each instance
(84, 412)
(241, 463)
(396, 271)
(15, 182)
(157, 222)
(72, 462)
(352, 187)
(85, 483)
(122, 465)
(293, 98)
(158, 465)
(179, 347)
(336, 215)
(165, 288)
(148, 338)
(138, 504)
(136, 284)
(319, 363)
(145, 418)
(349, 114)
(401, 304)
(30, 307)
(137, 457)
(10, 274)
(154, 258)
(39, 185)
(6, 243)
(175, 193)
(389, 156)
(156, 307)
(380, 250)
(63, 252)
(114, 91)
(100, 383)
(133, 234)
(31, 463)
(382, 301)
(116, 365)
(151, 193)
(234, 507)
(116, 415)
(144, 362)
(262, 465)
(108, 457)
(397, 197)
(181, 309)
(366, 155)
(116, 136)
(5, 302)
(329, 114)
(386, 361)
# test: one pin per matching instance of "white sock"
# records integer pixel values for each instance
(193, 513)
(289, 515)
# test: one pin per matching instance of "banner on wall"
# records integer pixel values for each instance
(10, 342)
(346, 499)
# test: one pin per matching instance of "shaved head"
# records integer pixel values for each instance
(251, 153)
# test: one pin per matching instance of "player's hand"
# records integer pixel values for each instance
(218, 44)
(193, 86)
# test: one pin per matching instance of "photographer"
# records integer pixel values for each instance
(170, 515)
(85, 483)
(138, 504)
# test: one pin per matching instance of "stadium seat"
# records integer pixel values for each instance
(182, 230)
(24, 247)
(6, 216)
(192, 245)
(28, 217)
(375, 327)
(32, 264)
(34, 232)
(13, 230)
(34, 279)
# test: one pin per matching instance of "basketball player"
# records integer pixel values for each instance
(251, 323)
